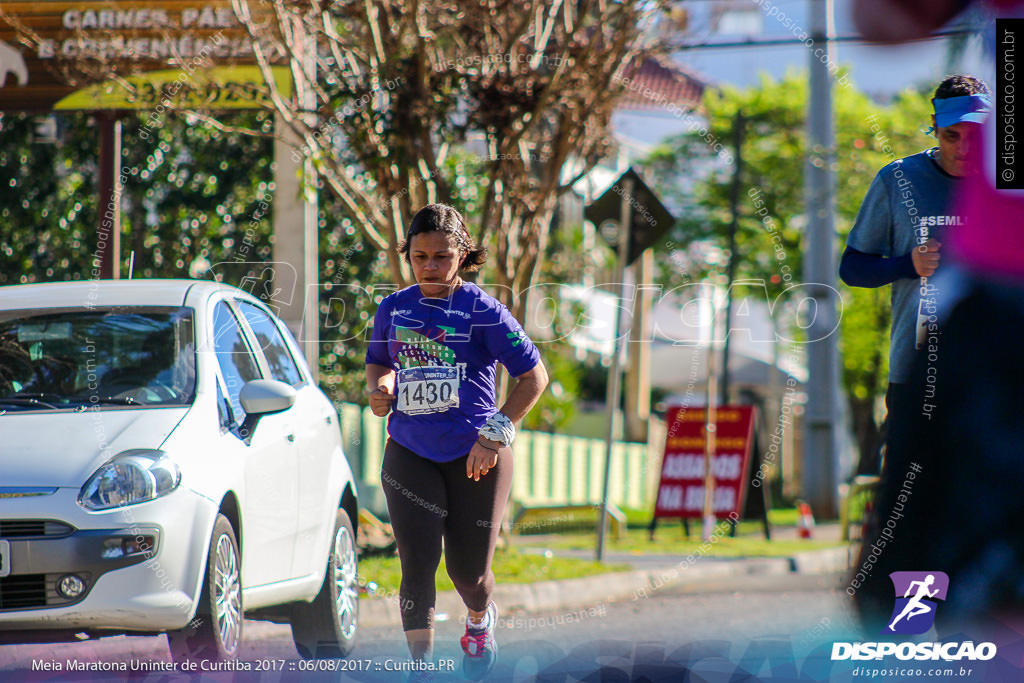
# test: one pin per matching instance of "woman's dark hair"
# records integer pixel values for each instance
(444, 218)
(960, 85)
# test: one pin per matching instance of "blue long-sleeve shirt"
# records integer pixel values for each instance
(858, 269)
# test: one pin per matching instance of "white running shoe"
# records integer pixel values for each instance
(479, 646)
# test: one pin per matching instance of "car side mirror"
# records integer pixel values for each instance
(261, 397)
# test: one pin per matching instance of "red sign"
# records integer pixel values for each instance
(681, 491)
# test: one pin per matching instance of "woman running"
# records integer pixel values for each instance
(447, 469)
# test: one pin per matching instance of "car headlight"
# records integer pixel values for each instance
(130, 477)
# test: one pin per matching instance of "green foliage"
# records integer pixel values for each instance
(771, 205)
(557, 405)
(47, 202)
(190, 193)
(354, 279)
(193, 195)
(194, 199)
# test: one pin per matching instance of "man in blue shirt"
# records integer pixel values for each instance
(908, 210)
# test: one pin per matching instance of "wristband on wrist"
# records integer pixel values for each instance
(499, 428)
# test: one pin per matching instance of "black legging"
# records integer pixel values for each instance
(429, 500)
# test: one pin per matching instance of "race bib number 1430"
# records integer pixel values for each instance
(432, 389)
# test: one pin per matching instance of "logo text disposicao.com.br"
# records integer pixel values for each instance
(937, 672)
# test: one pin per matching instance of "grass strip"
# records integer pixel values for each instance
(511, 565)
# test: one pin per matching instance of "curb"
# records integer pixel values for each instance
(824, 561)
(591, 590)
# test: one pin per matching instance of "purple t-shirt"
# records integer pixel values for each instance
(445, 353)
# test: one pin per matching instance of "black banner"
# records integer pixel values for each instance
(1009, 154)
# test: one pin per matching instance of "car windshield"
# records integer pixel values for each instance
(96, 358)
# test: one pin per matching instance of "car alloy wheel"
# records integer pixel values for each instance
(216, 631)
(346, 581)
(227, 588)
(326, 627)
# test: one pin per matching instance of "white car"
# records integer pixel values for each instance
(168, 465)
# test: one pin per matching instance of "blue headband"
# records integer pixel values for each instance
(966, 108)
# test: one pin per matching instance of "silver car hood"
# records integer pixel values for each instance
(58, 448)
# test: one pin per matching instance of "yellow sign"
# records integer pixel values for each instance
(226, 87)
(698, 415)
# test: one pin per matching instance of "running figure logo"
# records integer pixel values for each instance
(916, 596)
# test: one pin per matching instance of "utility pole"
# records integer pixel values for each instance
(822, 440)
(614, 384)
(734, 206)
(710, 428)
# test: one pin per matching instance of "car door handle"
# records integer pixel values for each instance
(290, 437)
(327, 419)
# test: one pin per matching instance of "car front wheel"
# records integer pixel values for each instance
(326, 628)
(216, 632)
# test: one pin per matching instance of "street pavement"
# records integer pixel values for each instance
(648, 572)
(664, 610)
(710, 626)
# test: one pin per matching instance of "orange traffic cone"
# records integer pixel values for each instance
(806, 521)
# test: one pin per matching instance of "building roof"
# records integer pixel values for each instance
(660, 84)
